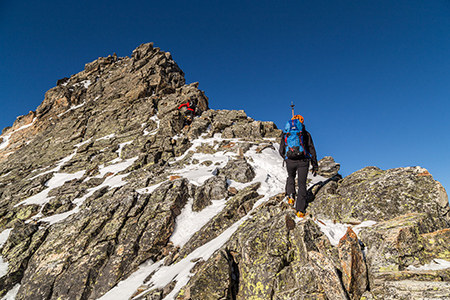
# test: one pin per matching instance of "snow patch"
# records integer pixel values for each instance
(72, 108)
(57, 180)
(436, 264)
(189, 222)
(106, 137)
(4, 265)
(335, 231)
(11, 295)
(154, 131)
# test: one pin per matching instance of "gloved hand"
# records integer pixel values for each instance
(314, 171)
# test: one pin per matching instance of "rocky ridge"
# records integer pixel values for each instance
(95, 182)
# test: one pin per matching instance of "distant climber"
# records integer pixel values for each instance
(189, 112)
(297, 148)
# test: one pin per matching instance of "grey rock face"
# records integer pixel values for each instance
(374, 194)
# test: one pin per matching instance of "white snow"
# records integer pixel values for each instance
(198, 173)
(436, 264)
(71, 108)
(3, 238)
(189, 222)
(112, 180)
(11, 295)
(57, 180)
(84, 83)
(154, 131)
(5, 174)
(166, 274)
(335, 231)
(106, 137)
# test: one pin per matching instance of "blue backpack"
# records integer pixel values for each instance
(293, 140)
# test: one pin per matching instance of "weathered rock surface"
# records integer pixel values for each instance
(214, 188)
(91, 187)
(374, 194)
(239, 170)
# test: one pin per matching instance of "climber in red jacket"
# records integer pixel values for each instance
(189, 112)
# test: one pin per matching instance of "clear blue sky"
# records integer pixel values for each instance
(371, 78)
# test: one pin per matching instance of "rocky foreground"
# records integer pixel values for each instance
(92, 185)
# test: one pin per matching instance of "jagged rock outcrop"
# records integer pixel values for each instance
(93, 185)
(328, 167)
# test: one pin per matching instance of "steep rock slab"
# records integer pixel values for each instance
(236, 124)
(374, 194)
(148, 72)
(85, 255)
(214, 188)
(218, 269)
(95, 106)
(22, 243)
(436, 244)
(410, 289)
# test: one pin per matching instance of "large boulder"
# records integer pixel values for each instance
(239, 170)
(353, 266)
(374, 194)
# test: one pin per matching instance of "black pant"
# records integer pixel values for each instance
(300, 168)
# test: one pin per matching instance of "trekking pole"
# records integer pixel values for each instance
(292, 107)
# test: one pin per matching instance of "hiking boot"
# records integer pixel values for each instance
(301, 215)
(291, 199)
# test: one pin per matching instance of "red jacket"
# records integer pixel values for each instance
(187, 105)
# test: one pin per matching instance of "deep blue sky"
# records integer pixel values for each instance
(371, 78)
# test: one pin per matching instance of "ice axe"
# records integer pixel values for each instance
(292, 107)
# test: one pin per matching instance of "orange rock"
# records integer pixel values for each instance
(233, 190)
(425, 173)
(354, 271)
(230, 145)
